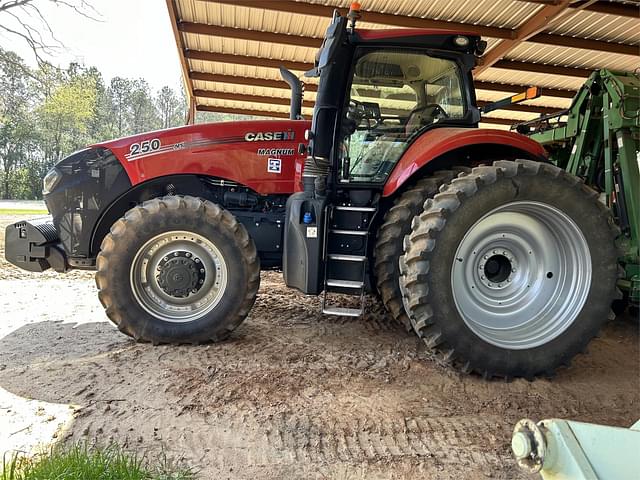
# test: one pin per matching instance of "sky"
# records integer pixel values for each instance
(133, 39)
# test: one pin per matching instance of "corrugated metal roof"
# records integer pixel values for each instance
(503, 14)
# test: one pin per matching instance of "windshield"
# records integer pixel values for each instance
(395, 94)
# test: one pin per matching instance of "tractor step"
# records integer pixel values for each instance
(346, 258)
(345, 247)
(332, 282)
(349, 232)
(354, 209)
(342, 311)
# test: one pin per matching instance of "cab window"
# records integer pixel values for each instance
(394, 95)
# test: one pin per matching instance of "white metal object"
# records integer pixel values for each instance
(563, 450)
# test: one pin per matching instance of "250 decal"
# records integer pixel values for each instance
(144, 147)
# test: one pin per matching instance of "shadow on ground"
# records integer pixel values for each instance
(294, 394)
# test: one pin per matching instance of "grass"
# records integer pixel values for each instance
(80, 462)
(19, 211)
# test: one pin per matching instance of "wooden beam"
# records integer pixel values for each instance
(253, 82)
(276, 114)
(247, 60)
(543, 68)
(499, 121)
(617, 9)
(505, 87)
(240, 97)
(393, 20)
(312, 87)
(519, 107)
(303, 66)
(535, 24)
(254, 35)
(188, 84)
(585, 44)
(245, 111)
(269, 100)
(404, 21)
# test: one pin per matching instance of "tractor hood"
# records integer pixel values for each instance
(261, 154)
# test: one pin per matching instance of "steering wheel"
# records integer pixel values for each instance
(359, 111)
(438, 111)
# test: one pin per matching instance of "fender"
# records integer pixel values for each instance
(434, 143)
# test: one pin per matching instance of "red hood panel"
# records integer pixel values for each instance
(263, 154)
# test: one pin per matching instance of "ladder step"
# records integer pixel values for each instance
(355, 209)
(346, 258)
(333, 282)
(349, 232)
(343, 312)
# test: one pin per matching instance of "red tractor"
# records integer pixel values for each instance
(504, 264)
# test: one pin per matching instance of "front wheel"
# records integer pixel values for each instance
(177, 270)
(511, 270)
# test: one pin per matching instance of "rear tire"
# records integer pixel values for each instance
(556, 242)
(389, 243)
(177, 270)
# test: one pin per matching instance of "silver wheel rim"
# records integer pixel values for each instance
(191, 253)
(521, 275)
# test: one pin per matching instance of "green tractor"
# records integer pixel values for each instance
(597, 139)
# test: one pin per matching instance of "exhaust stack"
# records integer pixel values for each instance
(296, 93)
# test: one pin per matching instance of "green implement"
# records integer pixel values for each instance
(597, 138)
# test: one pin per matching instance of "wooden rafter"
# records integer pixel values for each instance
(312, 87)
(188, 84)
(535, 24)
(270, 100)
(277, 114)
(303, 66)
(414, 22)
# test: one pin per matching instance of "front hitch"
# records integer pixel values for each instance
(33, 245)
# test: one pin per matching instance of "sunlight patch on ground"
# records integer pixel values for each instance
(30, 426)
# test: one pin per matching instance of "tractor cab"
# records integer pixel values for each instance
(379, 90)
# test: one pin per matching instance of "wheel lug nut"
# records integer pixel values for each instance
(202, 270)
(486, 257)
(483, 277)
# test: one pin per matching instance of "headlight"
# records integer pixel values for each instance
(461, 41)
(50, 181)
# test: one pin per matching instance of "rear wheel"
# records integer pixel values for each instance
(511, 270)
(388, 249)
(177, 270)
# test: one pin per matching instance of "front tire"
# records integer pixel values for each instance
(177, 270)
(511, 270)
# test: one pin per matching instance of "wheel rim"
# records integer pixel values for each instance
(178, 276)
(521, 275)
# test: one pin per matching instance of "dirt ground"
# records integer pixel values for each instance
(292, 394)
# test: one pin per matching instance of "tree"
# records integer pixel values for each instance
(24, 21)
(16, 128)
(171, 108)
(119, 98)
(65, 115)
(47, 113)
(144, 116)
